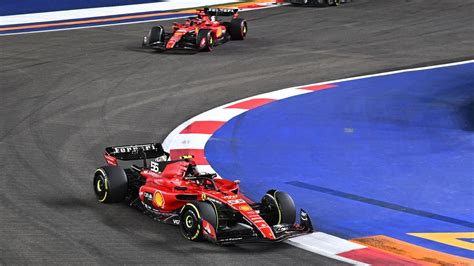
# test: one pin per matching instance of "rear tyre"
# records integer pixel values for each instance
(156, 34)
(110, 184)
(278, 208)
(191, 217)
(205, 40)
(238, 29)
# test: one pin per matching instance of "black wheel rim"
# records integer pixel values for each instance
(270, 210)
(190, 225)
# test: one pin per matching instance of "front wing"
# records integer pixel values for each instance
(247, 234)
(179, 46)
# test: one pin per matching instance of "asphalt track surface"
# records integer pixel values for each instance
(66, 95)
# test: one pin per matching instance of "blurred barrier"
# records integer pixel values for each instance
(111, 15)
(38, 13)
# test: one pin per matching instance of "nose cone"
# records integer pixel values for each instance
(170, 44)
(176, 37)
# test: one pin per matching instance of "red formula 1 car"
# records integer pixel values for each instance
(203, 206)
(318, 2)
(200, 33)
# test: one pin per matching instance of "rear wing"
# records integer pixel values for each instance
(220, 11)
(136, 151)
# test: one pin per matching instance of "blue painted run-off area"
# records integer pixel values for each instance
(386, 155)
(15, 7)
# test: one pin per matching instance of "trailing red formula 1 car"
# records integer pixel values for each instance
(200, 33)
(203, 206)
(318, 2)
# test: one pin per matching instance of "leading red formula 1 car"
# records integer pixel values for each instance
(203, 206)
(200, 33)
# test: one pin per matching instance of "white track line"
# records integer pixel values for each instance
(326, 245)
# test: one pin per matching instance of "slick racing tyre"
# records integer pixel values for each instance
(238, 29)
(278, 208)
(205, 40)
(110, 184)
(191, 217)
(156, 34)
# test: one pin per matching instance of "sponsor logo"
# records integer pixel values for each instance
(280, 228)
(203, 196)
(158, 199)
(147, 200)
(245, 208)
(256, 219)
(134, 148)
(148, 196)
(236, 201)
(232, 239)
(227, 10)
(219, 32)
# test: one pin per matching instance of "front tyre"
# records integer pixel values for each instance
(110, 184)
(156, 34)
(278, 208)
(191, 217)
(190, 226)
(205, 40)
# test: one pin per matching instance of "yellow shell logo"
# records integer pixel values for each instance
(245, 208)
(219, 32)
(203, 196)
(158, 199)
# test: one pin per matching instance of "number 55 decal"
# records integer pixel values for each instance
(154, 167)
